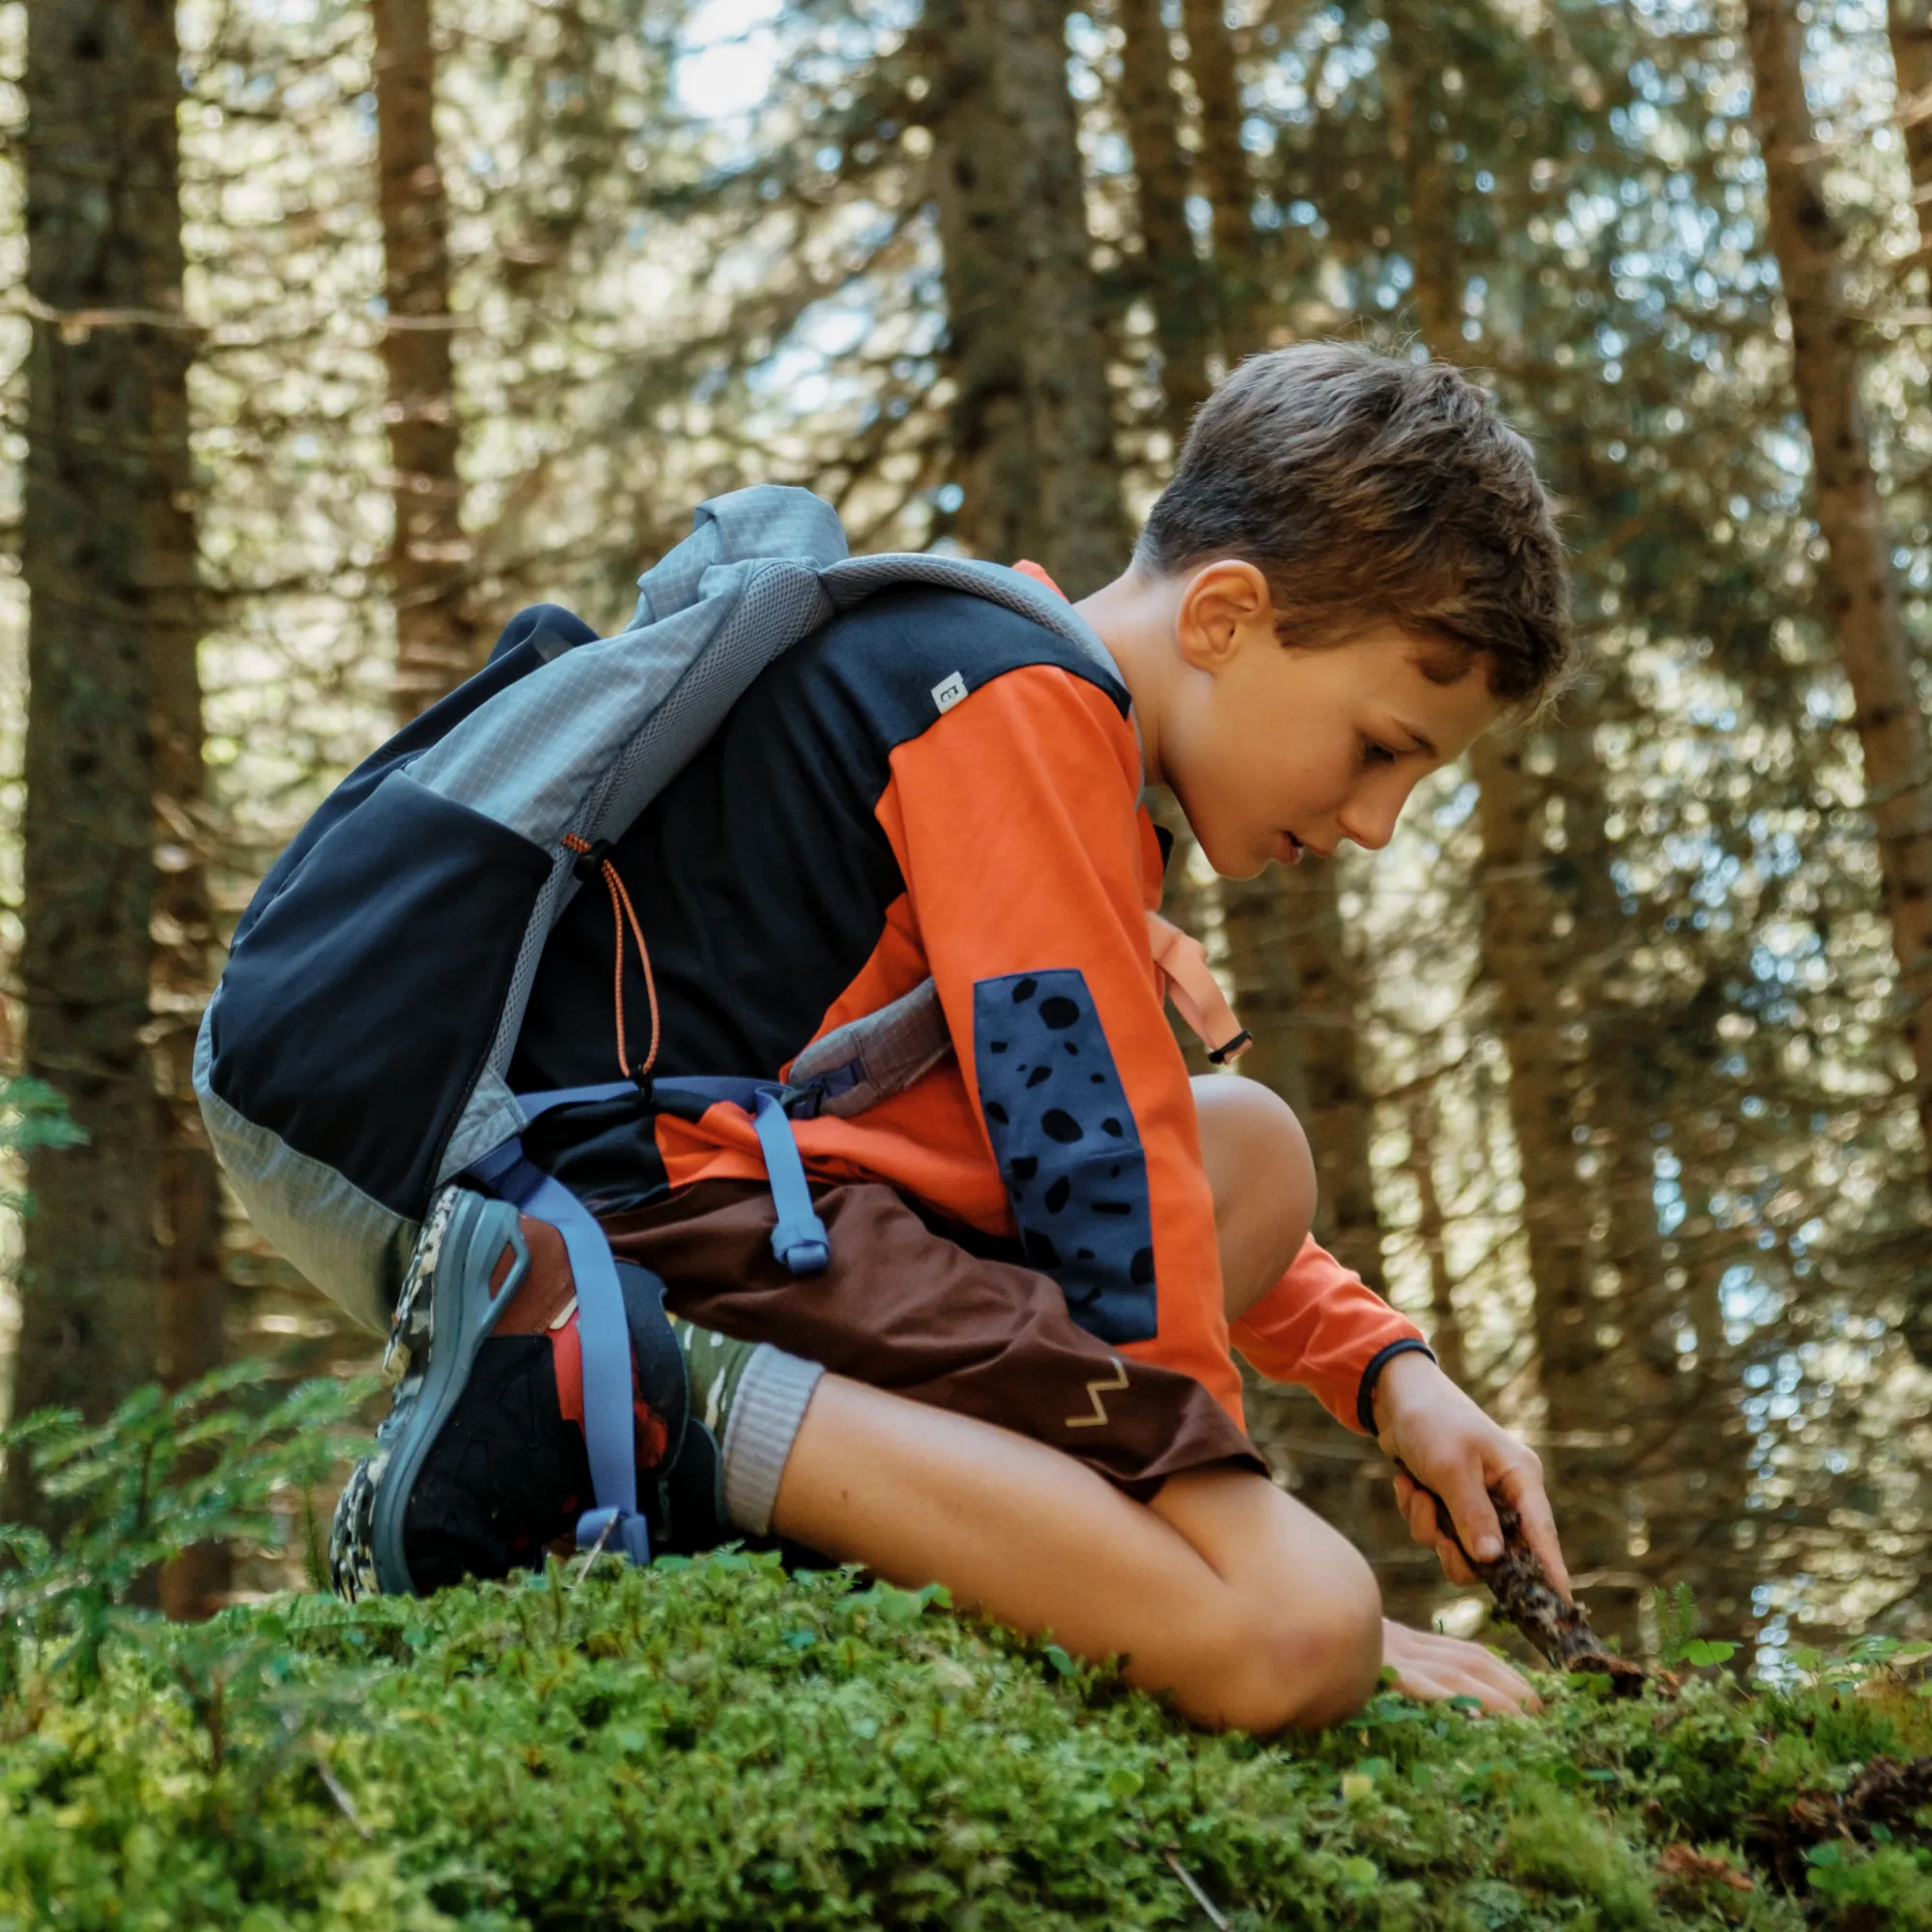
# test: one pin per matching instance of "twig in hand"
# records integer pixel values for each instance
(1216, 1917)
(1559, 1633)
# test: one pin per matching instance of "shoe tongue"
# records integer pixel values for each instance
(546, 1296)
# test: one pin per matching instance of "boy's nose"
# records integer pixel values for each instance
(1370, 821)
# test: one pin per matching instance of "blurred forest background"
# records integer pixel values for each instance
(333, 331)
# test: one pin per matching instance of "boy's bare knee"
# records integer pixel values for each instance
(1262, 1177)
(1316, 1662)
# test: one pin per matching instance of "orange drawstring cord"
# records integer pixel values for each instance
(623, 912)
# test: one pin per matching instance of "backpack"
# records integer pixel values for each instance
(352, 1063)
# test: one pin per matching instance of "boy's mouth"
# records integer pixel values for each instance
(1288, 849)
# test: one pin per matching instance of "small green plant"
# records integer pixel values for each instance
(32, 1115)
(162, 1473)
(1677, 1639)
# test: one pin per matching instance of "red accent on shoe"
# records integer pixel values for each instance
(567, 1361)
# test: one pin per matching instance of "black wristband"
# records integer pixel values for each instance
(1365, 1400)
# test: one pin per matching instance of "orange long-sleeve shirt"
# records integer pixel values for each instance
(932, 786)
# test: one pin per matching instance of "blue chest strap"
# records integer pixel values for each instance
(799, 1241)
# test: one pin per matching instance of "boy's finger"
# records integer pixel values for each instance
(1474, 1515)
(1539, 1530)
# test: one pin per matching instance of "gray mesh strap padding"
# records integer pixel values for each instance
(884, 1052)
(857, 577)
(769, 520)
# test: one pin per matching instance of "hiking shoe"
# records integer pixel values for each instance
(480, 1465)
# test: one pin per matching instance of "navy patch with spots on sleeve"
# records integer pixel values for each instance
(1068, 1147)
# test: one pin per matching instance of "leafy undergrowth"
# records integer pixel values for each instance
(717, 1744)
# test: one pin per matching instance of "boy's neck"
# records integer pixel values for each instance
(1134, 617)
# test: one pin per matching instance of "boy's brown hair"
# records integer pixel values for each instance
(1369, 488)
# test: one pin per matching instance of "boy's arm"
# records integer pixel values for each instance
(1323, 1326)
(1014, 820)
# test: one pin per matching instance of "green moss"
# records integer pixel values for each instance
(1559, 1844)
(721, 1745)
(1888, 1888)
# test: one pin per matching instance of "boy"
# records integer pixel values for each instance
(1014, 1375)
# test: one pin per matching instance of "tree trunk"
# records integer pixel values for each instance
(1910, 25)
(1189, 903)
(108, 553)
(194, 1291)
(1528, 958)
(429, 554)
(1226, 177)
(1533, 947)
(1860, 596)
(1027, 346)
(1175, 284)
(1285, 945)
(1083, 537)
(1445, 1323)
(974, 190)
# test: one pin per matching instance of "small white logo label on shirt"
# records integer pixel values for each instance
(945, 695)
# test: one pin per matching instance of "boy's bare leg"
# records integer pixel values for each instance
(1225, 1593)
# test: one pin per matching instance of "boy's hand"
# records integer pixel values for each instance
(1447, 1444)
(1428, 1666)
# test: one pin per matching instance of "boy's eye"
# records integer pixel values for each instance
(1373, 753)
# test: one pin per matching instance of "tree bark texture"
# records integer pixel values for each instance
(195, 1288)
(108, 553)
(974, 183)
(429, 554)
(1083, 537)
(1178, 286)
(1861, 595)
(1445, 1323)
(1529, 960)
(1226, 177)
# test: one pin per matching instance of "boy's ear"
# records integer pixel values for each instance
(1227, 604)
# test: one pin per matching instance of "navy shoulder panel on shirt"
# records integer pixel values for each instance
(907, 657)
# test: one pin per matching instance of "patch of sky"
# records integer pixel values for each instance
(803, 371)
(1455, 810)
(730, 57)
(1667, 1194)
(1749, 1302)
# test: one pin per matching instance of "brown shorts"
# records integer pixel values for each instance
(906, 1309)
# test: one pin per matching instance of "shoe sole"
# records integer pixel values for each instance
(444, 1314)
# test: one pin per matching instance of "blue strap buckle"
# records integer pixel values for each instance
(623, 1531)
(800, 1241)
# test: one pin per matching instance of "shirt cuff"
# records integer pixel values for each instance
(1365, 1398)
